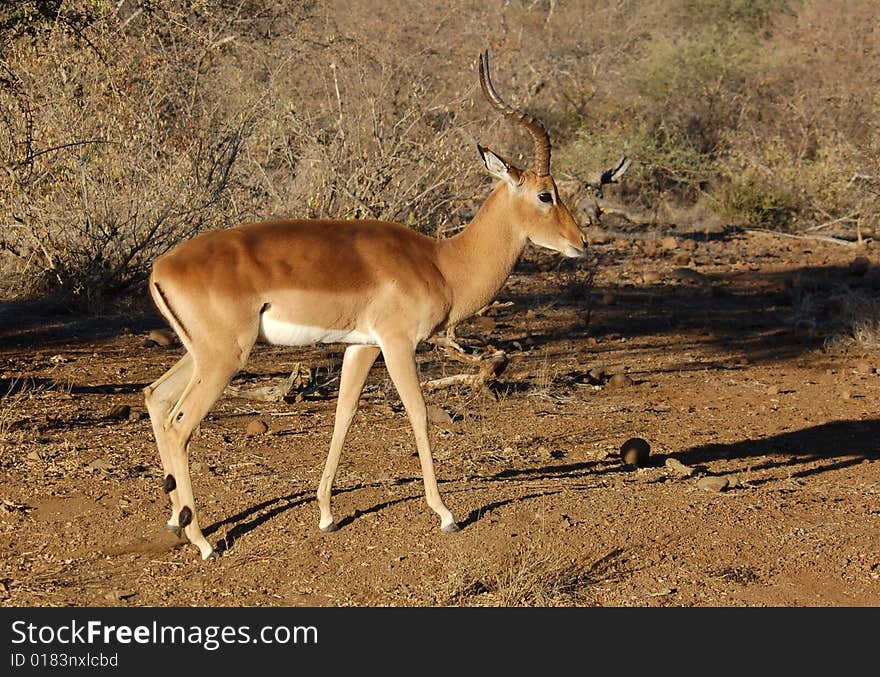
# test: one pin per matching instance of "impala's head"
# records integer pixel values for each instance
(536, 203)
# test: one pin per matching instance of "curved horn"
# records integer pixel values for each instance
(539, 135)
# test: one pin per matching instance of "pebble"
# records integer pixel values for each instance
(859, 265)
(257, 427)
(652, 276)
(119, 411)
(620, 381)
(773, 390)
(864, 367)
(685, 274)
(635, 451)
(160, 337)
(677, 466)
(99, 464)
(681, 259)
(669, 243)
(438, 414)
(715, 484)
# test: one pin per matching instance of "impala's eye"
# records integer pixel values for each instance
(545, 197)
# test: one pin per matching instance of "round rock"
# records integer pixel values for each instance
(257, 427)
(635, 451)
(715, 484)
(161, 338)
(119, 412)
(620, 381)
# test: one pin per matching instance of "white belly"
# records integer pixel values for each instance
(285, 334)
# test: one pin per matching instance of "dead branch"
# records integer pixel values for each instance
(819, 238)
(300, 381)
(490, 368)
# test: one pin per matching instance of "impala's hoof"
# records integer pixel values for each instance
(330, 527)
(450, 528)
(213, 555)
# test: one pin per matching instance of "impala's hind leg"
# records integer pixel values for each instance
(205, 386)
(160, 397)
(355, 367)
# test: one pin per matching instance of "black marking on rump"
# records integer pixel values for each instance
(170, 484)
(185, 517)
(180, 326)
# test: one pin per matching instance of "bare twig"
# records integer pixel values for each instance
(819, 238)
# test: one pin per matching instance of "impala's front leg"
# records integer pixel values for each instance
(356, 366)
(401, 363)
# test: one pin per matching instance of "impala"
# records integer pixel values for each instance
(375, 285)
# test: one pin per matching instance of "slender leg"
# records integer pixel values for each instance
(401, 363)
(159, 397)
(203, 390)
(356, 366)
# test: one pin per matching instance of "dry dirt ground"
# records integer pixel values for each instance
(740, 363)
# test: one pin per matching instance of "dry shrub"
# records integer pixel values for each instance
(134, 126)
(115, 155)
(537, 571)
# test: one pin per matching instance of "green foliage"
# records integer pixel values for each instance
(751, 200)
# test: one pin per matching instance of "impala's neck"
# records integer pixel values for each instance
(477, 262)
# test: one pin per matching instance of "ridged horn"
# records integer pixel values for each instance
(541, 165)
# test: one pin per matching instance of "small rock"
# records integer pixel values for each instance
(669, 243)
(678, 467)
(119, 412)
(482, 324)
(688, 245)
(652, 276)
(635, 451)
(846, 395)
(681, 259)
(438, 415)
(773, 390)
(160, 337)
(864, 367)
(715, 484)
(859, 265)
(685, 274)
(620, 381)
(100, 464)
(256, 427)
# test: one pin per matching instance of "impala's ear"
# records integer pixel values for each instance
(499, 167)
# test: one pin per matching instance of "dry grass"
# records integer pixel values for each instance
(536, 571)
